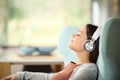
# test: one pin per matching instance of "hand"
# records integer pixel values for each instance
(11, 77)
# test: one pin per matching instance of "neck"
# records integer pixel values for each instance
(83, 57)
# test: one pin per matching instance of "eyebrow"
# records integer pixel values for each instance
(81, 31)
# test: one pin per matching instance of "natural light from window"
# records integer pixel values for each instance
(38, 22)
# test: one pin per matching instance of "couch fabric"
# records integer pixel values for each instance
(109, 56)
(64, 39)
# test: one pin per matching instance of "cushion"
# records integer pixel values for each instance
(109, 57)
(64, 39)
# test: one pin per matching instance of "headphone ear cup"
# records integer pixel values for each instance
(89, 46)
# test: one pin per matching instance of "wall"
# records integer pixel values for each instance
(108, 8)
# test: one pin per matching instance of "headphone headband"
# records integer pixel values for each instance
(96, 34)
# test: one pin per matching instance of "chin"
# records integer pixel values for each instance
(70, 46)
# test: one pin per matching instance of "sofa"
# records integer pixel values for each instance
(108, 61)
(109, 51)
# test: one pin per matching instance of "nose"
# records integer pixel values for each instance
(73, 35)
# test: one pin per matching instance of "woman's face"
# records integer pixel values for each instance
(78, 40)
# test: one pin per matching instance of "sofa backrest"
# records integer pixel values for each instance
(109, 56)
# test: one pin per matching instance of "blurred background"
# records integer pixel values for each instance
(36, 23)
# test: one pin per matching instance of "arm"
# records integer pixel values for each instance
(84, 72)
(28, 76)
(33, 76)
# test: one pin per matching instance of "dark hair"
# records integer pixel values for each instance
(90, 31)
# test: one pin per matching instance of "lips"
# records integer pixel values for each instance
(71, 40)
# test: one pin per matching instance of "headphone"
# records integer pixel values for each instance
(89, 45)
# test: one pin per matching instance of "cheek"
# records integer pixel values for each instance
(78, 45)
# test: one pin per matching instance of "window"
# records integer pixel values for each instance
(95, 12)
(38, 22)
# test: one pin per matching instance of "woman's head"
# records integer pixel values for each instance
(90, 31)
(85, 33)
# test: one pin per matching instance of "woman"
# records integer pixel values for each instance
(84, 69)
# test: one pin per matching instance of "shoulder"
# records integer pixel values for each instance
(86, 71)
(87, 66)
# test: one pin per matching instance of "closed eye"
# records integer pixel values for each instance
(78, 34)
(81, 32)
